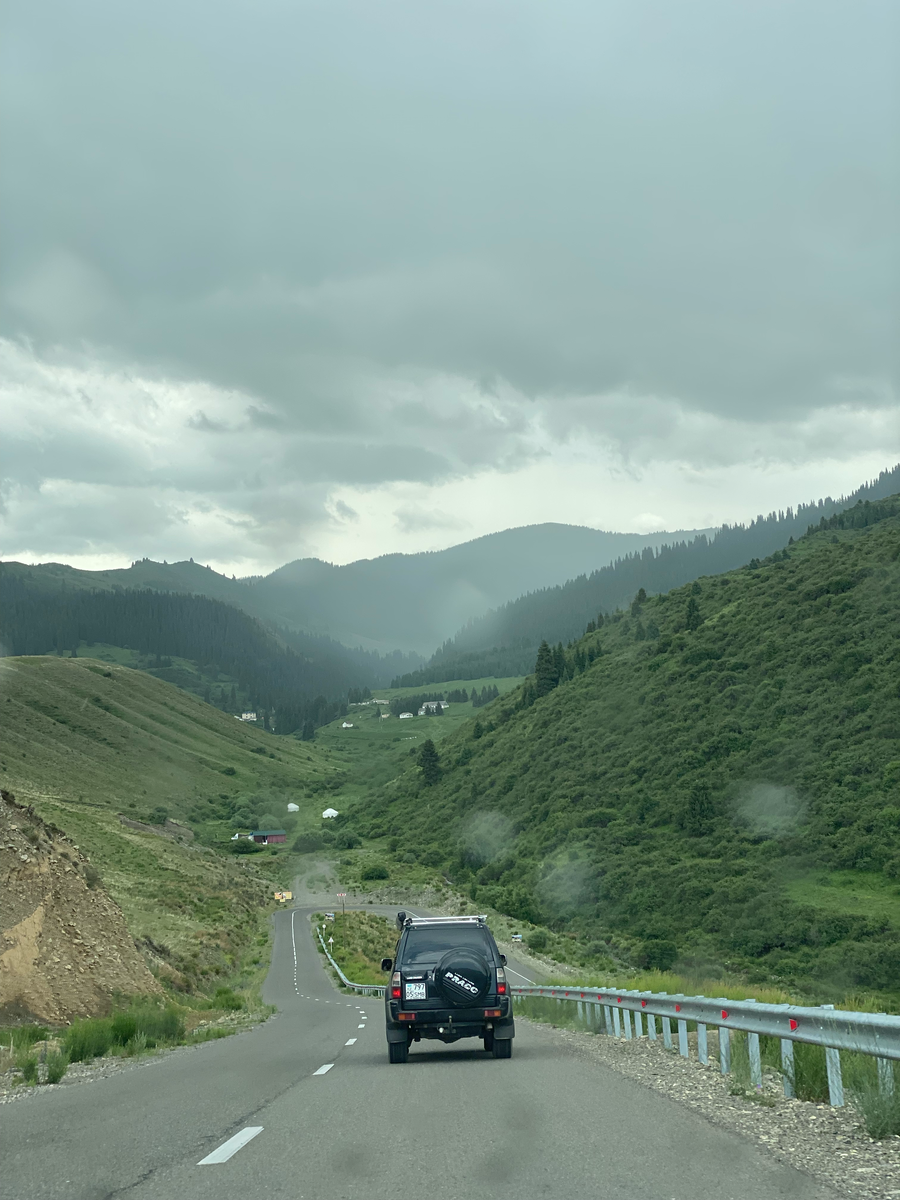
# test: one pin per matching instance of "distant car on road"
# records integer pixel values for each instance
(447, 982)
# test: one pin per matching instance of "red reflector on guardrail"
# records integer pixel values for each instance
(643, 1004)
(678, 1008)
(724, 1015)
(619, 1000)
(793, 1023)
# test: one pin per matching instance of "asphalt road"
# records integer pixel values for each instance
(451, 1122)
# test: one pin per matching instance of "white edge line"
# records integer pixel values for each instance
(324, 1070)
(227, 1149)
(510, 971)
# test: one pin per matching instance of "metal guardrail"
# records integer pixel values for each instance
(365, 989)
(877, 1034)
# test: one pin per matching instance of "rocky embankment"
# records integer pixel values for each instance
(65, 950)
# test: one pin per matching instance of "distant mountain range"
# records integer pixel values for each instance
(504, 641)
(406, 602)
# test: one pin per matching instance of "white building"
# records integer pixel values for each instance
(330, 812)
(347, 725)
(405, 716)
(248, 716)
(293, 808)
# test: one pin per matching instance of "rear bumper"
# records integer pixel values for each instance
(449, 1024)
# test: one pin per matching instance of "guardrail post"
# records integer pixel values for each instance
(651, 1027)
(682, 1038)
(616, 1019)
(835, 1080)
(724, 1050)
(580, 1012)
(627, 1015)
(702, 1048)
(885, 1076)
(753, 1054)
(608, 1019)
(638, 1024)
(667, 1033)
(755, 1060)
(787, 1066)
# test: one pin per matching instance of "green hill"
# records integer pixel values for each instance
(86, 741)
(501, 641)
(713, 775)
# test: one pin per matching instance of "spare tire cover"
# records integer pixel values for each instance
(463, 977)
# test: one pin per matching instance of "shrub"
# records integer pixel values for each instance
(88, 1039)
(226, 998)
(57, 1065)
(656, 954)
(346, 840)
(28, 1065)
(375, 871)
(306, 843)
(537, 940)
(123, 1027)
(244, 847)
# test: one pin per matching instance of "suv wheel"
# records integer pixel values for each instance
(398, 1052)
(502, 1048)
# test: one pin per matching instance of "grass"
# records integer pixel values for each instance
(361, 941)
(862, 893)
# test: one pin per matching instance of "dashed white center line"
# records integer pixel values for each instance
(227, 1149)
(352, 1042)
(360, 1027)
(324, 1070)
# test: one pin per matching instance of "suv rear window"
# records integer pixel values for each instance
(426, 944)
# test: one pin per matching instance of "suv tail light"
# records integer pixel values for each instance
(395, 986)
(501, 982)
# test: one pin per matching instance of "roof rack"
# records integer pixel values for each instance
(405, 921)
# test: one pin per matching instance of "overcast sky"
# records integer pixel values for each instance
(337, 278)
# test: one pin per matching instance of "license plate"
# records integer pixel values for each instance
(414, 991)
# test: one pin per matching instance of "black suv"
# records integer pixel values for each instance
(447, 982)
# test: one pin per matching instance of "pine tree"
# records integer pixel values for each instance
(429, 763)
(692, 618)
(545, 670)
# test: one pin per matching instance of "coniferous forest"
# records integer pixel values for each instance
(301, 685)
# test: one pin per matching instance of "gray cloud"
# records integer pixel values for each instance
(352, 246)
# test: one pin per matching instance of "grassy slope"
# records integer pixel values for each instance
(637, 799)
(84, 741)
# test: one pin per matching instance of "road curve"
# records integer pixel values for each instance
(306, 1107)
